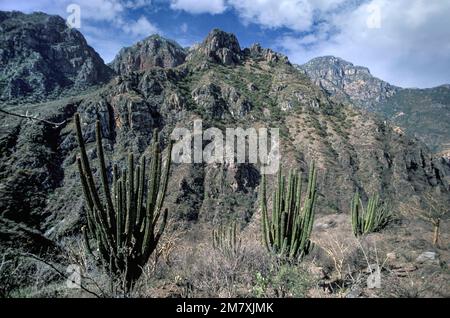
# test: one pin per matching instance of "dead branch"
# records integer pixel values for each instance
(30, 117)
(59, 272)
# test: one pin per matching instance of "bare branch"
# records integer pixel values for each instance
(26, 116)
(59, 272)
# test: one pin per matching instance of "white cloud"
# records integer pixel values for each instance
(297, 15)
(142, 27)
(100, 10)
(410, 48)
(199, 6)
(137, 4)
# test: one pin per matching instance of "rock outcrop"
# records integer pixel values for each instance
(423, 113)
(41, 58)
(220, 47)
(347, 81)
(154, 51)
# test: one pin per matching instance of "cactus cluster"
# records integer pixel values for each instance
(226, 240)
(371, 219)
(287, 231)
(123, 220)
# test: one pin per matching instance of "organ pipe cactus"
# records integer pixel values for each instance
(226, 240)
(288, 230)
(123, 219)
(371, 219)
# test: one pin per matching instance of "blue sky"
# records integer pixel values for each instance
(406, 42)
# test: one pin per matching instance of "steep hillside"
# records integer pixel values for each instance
(41, 57)
(227, 87)
(423, 113)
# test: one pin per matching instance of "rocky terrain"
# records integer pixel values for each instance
(423, 113)
(346, 81)
(160, 85)
(149, 53)
(40, 57)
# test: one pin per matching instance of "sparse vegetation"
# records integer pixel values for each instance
(131, 246)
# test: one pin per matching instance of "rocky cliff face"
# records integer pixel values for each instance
(251, 87)
(40, 57)
(220, 47)
(223, 48)
(151, 52)
(423, 113)
(346, 81)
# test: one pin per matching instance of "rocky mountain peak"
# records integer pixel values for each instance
(221, 47)
(419, 112)
(257, 52)
(154, 51)
(40, 56)
(346, 81)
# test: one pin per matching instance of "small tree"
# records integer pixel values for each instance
(435, 209)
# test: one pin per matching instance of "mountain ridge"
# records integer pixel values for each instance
(225, 86)
(424, 113)
(41, 56)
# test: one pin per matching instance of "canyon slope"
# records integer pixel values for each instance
(423, 113)
(159, 85)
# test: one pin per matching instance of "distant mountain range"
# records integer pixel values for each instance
(424, 113)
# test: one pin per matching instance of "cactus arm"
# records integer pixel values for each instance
(104, 177)
(163, 186)
(126, 216)
(86, 167)
(129, 222)
(292, 222)
(140, 199)
(266, 228)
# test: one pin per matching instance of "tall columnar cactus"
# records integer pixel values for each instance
(123, 220)
(287, 232)
(371, 219)
(226, 240)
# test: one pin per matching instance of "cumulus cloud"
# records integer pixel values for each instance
(407, 46)
(199, 6)
(298, 15)
(142, 27)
